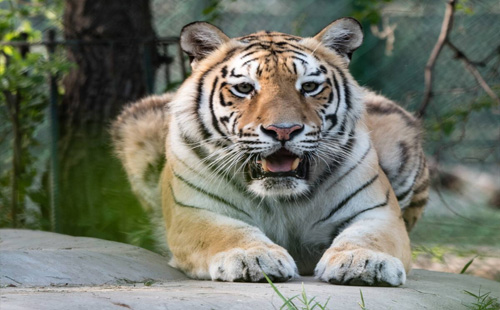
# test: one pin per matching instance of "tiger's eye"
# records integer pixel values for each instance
(244, 88)
(309, 86)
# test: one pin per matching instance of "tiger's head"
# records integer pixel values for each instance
(278, 109)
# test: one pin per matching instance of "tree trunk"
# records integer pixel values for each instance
(110, 71)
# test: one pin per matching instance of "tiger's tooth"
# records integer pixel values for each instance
(295, 163)
(263, 163)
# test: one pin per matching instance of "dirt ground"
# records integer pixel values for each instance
(486, 263)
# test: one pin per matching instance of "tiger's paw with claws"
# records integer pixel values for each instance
(360, 267)
(248, 265)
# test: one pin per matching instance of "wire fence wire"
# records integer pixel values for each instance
(399, 73)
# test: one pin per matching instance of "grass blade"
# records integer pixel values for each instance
(467, 265)
(288, 302)
(362, 304)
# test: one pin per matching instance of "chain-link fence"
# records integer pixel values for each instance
(396, 68)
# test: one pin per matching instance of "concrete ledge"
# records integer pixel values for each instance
(36, 258)
(35, 267)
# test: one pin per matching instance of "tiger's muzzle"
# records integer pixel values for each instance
(281, 163)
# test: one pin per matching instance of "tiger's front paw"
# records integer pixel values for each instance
(248, 264)
(360, 267)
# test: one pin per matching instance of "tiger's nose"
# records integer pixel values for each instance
(282, 132)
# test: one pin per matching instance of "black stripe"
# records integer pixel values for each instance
(256, 36)
(249, 61)
(249, 53)
(300, 48)
(317, 73)
(318, 94)
(204, 130)
(213, 196)
(340, 227)
(334, 164)
(352, 168)
(347, 91)
(392, 109)
(259, 44)
(223, 102)
(233, 74)
(289, 51)
(404, 155)
(237, 186)
(333, 119)
(177, 202)
(347, 199)
(337, 89)
(342, 126)
(298, 58)
(224, 120)
(330, 98)
(215, 122)
(224, 71)
(422, 187)
(233, 130)
(198, 150)
(403, 195)
(419, 203)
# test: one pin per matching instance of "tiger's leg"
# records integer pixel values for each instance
(207, 245)
(373, 249)
(420, 196)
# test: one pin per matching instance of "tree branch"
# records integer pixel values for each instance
(469, 65)
(429, 68)
(472, 69)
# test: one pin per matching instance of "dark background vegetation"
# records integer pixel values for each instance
(57, 171)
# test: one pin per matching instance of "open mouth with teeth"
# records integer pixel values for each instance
(282, 163)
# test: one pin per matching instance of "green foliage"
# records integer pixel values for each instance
(369, 10)
(23, 89)
(213, 10)
(448, 121)
(308, 304)
(464, 6)
(483, 301)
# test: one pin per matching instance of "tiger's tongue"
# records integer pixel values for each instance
(283, 164)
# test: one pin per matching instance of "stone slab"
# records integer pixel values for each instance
(35, 262)
(37, 258)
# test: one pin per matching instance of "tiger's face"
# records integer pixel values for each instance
(279, 108)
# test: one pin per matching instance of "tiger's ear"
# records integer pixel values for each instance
(199, 39)
(344, 36)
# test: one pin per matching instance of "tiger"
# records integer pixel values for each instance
(271, 159)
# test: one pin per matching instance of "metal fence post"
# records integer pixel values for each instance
(55, 216)
(148, 66)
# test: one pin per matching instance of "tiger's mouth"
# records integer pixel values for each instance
(282, 163)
